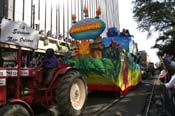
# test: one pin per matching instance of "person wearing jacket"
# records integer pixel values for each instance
(50, 64)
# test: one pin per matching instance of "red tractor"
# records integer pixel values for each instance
(21, 90)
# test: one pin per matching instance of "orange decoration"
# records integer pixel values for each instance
(98, 11)
(84, 48)
(97, 54)
(85, 10)
(74, 17)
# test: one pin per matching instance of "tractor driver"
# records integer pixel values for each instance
(50, 64)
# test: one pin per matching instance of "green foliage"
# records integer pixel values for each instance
(104, 66)
(159, 16)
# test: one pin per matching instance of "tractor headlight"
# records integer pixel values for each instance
(142, 72)
(2, 82)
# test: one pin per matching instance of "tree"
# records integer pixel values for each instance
(157, 16)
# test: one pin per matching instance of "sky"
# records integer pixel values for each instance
(127, 22)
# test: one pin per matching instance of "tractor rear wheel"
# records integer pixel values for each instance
(71, 94)
(14, 110)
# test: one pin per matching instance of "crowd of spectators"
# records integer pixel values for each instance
(125, 33)
(113, 31)
(170, 64)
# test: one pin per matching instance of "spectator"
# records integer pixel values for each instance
(171, 83)
(50, 64)
(36, 60)
(122, 33)
(169, 61)
(127, 33)
(1, 61)
(163, 75)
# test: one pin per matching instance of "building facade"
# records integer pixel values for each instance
(55, 15)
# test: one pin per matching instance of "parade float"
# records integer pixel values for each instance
(107, 63)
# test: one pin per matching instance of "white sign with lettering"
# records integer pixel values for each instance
(18, 33)
(2, 82)
(13, 73)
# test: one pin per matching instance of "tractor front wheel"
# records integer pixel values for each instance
(71, 94)
(14, 110)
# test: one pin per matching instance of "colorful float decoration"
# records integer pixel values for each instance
(88, 28)
(108, 63)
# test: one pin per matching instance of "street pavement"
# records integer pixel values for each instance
(132, 104)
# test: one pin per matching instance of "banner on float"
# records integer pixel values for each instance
(89, 28)
(18, 33)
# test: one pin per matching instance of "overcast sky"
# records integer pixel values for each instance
(127, 21)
